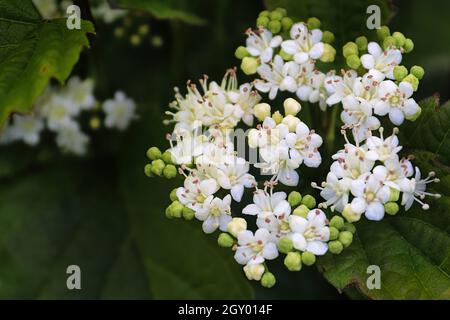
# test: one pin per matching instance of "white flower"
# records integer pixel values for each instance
(260, 43)
(80, 92)
(26, 128)
(384, 148)
(195, 191)
(59, 112)
(340, 87)
(119, 111)
(304, 144)
(305, 45)
(277, 76)
(311, 87)
(255, 248)
(267, 134)
(383, 61)
(189, 144)
(71, 139)
(215, 213)
(104, 12)
(268, 208)
(245, 100)
(335, 191)
(414, 190)
(353, 162)
(395, 101)
(310, 234)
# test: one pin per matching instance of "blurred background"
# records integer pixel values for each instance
(102, 213)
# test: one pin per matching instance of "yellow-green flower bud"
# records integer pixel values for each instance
(291, 122)
(286, 23)
(408, 46)
(335, 247)
(329, 53)
(268, 280)
(309, 201)
(394, 194)
(294, 198)
(188, 213)
(241, 52)
(153, 153)
(119, 32)
(262, 21)
(383, 32)
(274, 26)
(277, 117)
(261, 111)
(236, 225)
(170, 171)
(350, 48)
(349, 227)
(148, 170)
(412, 80)
(168, 212)
(337, 222)
(301, 211)
(327, 37)
(285, 56)
(276, 15)
(95, 123)
(415, 115)
(349, 214)
(143, 29)
(418, 72)
(361, 42)
(177, 209)
(285, 245)
(293, 261)
(249, 65)
(334, 233)
(264, 13)
(173, 194)
(308, 258)
(313, 23)
(167, 157)
(135, 40)
(399, 38)
(346, 238)
(400, 72)
(291, 106)
(254, 271)
(389, 42)
(158, 167)
(391, 208)
(353, 61)
(225, 240)
(283, 11)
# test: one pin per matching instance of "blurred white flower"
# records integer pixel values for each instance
(119, 111)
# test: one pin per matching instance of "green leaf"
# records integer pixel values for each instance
(164, 9)
(412, 248)
(32, 51)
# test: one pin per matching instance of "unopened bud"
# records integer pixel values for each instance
(261, 111)
(291, 106)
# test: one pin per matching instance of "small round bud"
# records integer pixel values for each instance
(408, 46)
(276, 15)
(361, 42)
(241, 52)
(309, 201)
(415, 115)
(399, 38)
(394, 195)
(135, 40)
(329, 53)
(158, 167)
(308, 258)
(286, 23)
(95, 123)
(261, 111)
(353, 61)
(334, 233)
(391, 208)
(268, 280)
(177, 209)
(413, 81)
(274, 26)
(153, 153)
(291, 122)
(350, 48)
(383, 32)
(277, 117)
(148, 170)
(389, 42)
(157, 41)
(225, 240)
(335, 247)
(293, 261)
(291, 106)
(249, 65)
(264, 13)
(188, 213)
(418, 72)
(349, 214)
(254, 271)
(173, 195)
(337, 222)
(346, 238)
(400, 72)
(143, 29)
(285, 56)
(294, 198)
(283, 11)
(285, 245)
(327, 37)
(168, 212)
(167, 157)
(349, 227)
(301, 211)
(313, 23)
(170, 171)
(236, 225)
(262, 21)
(119, 32)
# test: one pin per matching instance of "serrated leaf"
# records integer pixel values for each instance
(164, 9)
(32, 51)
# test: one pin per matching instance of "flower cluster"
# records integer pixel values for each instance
(58, 110)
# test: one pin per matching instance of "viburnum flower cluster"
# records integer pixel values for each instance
(58, 110)
(221, 163)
